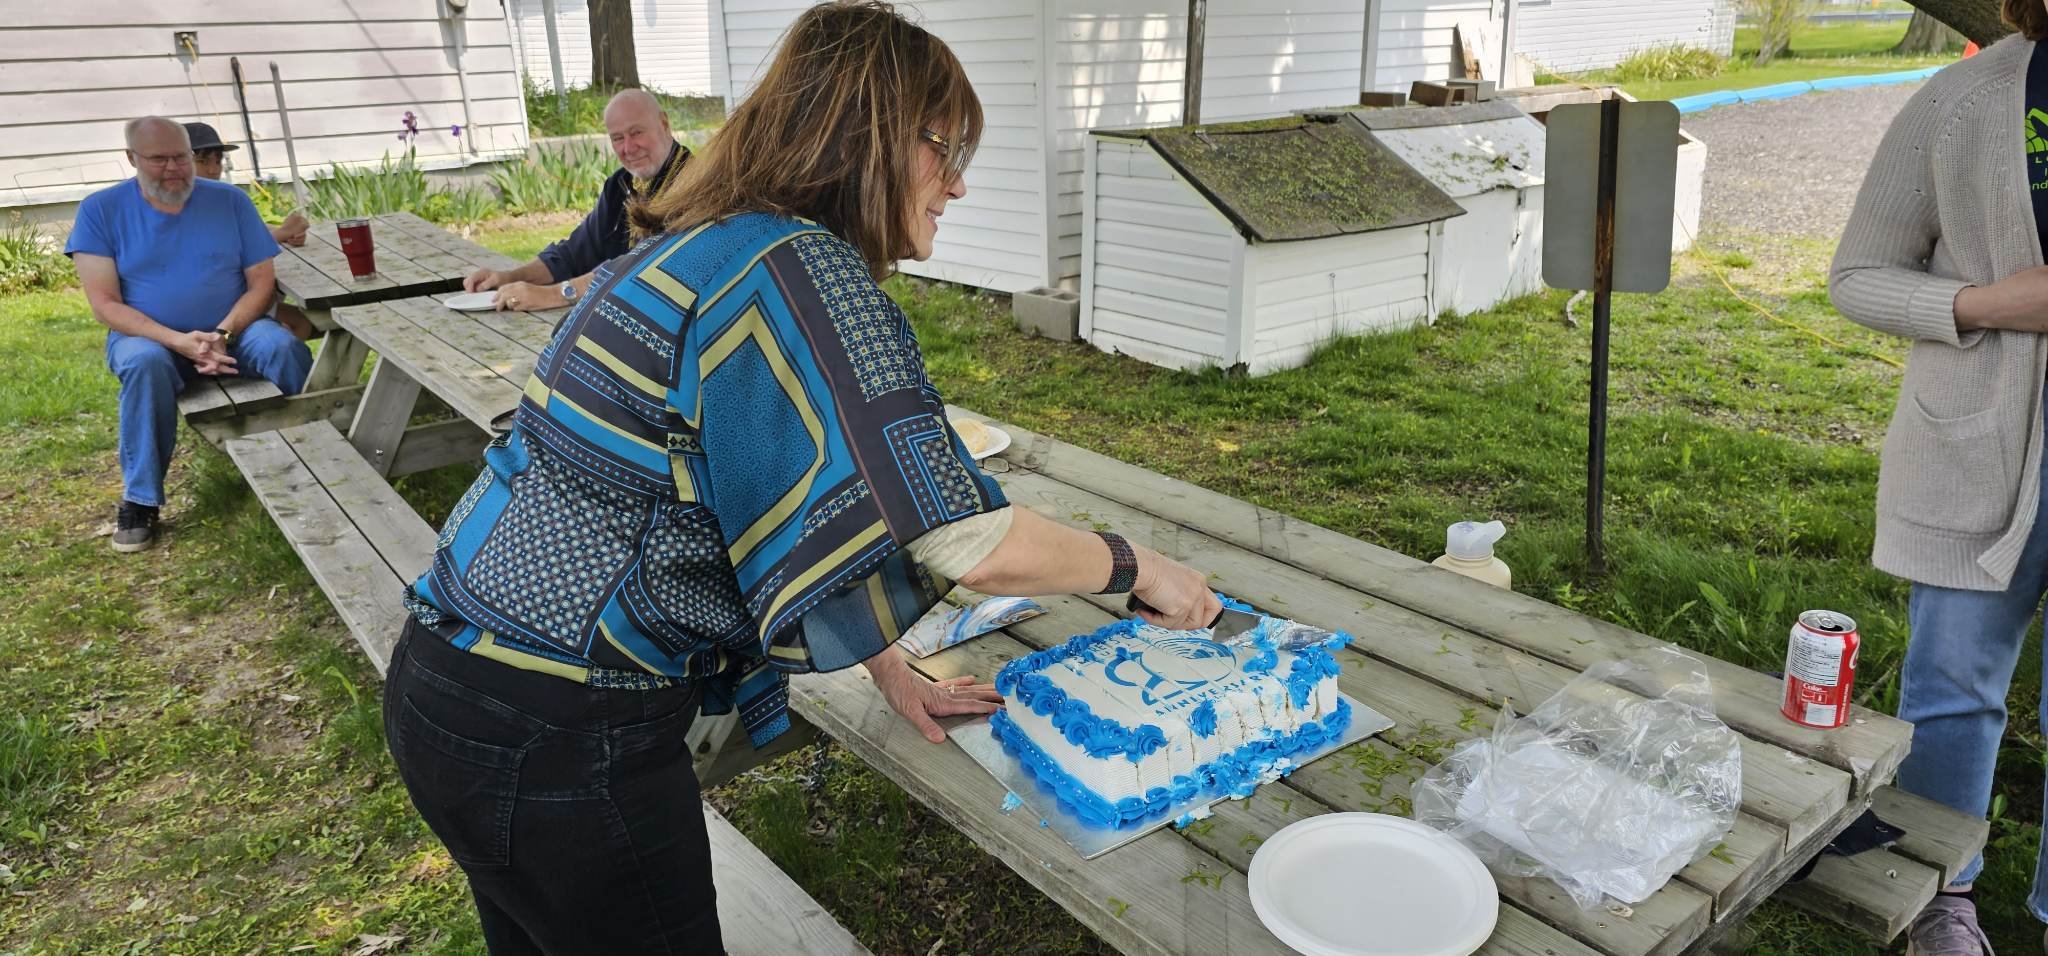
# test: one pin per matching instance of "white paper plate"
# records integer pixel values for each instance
(472, 301)
(998, 440)
(1368, 884)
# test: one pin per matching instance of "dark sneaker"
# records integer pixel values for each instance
(134, 527)
(1947, 927)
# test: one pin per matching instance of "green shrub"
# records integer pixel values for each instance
(29, 260)
(550, 179)
(582, 110)
(1669, 63)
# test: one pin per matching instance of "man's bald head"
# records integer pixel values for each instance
(639, 132)
(161, 152)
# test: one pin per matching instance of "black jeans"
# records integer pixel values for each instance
(573, 810)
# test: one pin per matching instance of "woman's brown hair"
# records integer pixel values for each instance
(832, 132)
(2030, 17)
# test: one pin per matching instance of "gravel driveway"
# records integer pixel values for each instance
(1791, 167)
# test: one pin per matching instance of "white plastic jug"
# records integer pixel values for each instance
(1468, 550)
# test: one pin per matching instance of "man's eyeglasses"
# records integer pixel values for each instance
(160, 160)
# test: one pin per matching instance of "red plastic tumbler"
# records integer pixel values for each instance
(359, 247)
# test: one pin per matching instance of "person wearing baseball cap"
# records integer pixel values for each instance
(209, 161)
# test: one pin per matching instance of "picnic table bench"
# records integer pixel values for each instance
(1436, 652)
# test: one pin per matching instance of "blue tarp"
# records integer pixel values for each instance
(1702, 101)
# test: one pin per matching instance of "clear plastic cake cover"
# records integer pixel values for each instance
(1608, 788)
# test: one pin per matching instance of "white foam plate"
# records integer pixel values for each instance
(472, 301)
(1369, 884)
(998, 440)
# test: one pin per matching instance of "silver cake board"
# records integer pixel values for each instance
(1091, 841)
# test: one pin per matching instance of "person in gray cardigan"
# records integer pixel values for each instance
(1944, 248)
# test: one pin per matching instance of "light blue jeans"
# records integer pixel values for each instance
(151, 378)
(1958, 671)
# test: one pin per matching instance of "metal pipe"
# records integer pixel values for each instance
(457, 35)
(1191, 84)
(547, 13)
(248, 129)
(1603, 293)
(291, 152)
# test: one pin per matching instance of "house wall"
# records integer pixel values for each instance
(1304, 294)
(994, 237)
(1161, 274)
(350, 71)
(1415, 38)
(1568, 36)
(671, 41)
(1492, 253)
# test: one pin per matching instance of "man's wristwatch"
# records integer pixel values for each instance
(569, 291)
(227, 336)
(1123, 564)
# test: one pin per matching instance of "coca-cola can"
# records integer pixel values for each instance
(1820, 669)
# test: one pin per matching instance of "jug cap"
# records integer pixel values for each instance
(1471, 540)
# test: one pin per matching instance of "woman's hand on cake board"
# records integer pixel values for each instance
(920, 699)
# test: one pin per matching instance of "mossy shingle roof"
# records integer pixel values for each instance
(1297, 177)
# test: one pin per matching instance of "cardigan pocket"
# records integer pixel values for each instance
(1948, 474)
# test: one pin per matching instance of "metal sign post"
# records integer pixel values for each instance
(1612, 175)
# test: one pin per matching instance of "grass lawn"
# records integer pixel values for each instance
(1819, 50)
(190, 756)
(583, 111)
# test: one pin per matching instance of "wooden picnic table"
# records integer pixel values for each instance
(1437, 653)
(414, 258)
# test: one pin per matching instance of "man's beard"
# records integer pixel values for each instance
(170, 196)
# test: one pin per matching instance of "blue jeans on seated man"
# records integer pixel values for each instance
(1958, 672)
(151, 378)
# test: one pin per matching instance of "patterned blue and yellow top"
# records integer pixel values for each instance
(714, 473)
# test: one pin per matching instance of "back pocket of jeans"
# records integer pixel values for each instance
(465, 789)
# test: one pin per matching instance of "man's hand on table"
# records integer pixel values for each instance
(292, 231)
(919, 699)
(485, 279)
(528, 297)
(205, 351)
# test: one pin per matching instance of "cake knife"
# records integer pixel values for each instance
(1233, 626)
(1230, 622)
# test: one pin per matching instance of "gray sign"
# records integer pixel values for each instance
(1645, 182)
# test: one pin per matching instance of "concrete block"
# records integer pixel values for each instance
(1052, 313)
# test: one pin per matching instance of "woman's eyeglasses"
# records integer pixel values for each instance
(945, 148)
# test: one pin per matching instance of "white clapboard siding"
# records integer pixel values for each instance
(1416, 39)
(71, 74)
(994, 237)
(1304, 294)
(1162, 265)
(672, 44)
(1567, 36)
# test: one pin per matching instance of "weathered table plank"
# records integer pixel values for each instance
(475, 392)
(414, 257)
(1869, 748)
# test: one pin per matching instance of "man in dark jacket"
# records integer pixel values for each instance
(649, 156)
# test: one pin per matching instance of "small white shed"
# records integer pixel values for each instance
(1049, 71)
(1248, 245)
(1489, 157)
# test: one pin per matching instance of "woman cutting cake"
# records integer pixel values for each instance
(729, 466)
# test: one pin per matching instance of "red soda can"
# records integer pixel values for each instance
(1820, 669)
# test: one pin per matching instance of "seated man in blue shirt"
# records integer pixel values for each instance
(179, 271)
(650, 156)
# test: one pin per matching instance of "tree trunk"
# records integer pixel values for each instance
(613, 64)
(1928, 35)
(1977, 20)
